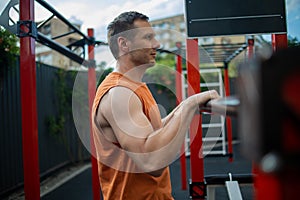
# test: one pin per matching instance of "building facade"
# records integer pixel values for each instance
(173, 29)
(52, 29)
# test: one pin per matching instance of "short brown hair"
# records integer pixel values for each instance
(119, 25)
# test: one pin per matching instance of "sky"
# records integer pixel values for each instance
(98, 13)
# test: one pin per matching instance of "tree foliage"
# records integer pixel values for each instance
(8, 47)
(293, 41)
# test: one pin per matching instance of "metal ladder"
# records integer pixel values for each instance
(213, 126)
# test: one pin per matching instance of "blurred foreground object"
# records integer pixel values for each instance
(269, 121)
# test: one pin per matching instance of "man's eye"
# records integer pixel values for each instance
(149, 37)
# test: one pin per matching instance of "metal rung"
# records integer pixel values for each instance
(214, 152)
(215, 125)
(211, 139)
(203, 71)
(213, 84)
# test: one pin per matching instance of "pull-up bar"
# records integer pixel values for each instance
(62, 18)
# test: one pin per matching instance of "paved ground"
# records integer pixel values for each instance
(80, 188)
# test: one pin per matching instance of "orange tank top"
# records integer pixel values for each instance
(120, 178)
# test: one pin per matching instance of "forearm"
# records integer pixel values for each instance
(162, 147)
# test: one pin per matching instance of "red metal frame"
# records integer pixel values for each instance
(29, 107)
(228, 119)
(250, 48)
(179, 99)
(279, 41)
(193, 76)
(91, 92)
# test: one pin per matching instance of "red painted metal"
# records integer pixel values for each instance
(179, 99)
(250, 48)
(29, 107)
(279, 41)
(228, 119)
(193, 76)
(92, 91)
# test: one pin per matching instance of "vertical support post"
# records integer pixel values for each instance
(197, 188)
(29, 106)
(228, 119)
(279, 41)
(91, 92)
(250, 48)
(179, 99)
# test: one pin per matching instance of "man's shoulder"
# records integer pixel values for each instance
(119, 97)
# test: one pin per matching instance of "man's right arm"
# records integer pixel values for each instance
(150, 149)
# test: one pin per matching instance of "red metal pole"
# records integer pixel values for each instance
(179, 99)
(250, 48)
(92, 91)
(228, 119)
(279, 41)
(29, 106)
(197, 164)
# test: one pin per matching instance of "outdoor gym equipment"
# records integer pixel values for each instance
(227, 106)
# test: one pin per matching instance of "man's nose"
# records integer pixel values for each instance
(156, 44)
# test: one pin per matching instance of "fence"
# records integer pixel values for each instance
(59, 143)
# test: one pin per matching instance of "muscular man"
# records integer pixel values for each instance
(134, 145)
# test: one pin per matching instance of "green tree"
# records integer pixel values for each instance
(8, 51)
(8, 47)
(293, 41)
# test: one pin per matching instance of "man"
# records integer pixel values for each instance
(134, 145)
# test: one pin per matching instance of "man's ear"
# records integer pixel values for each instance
(123, 44)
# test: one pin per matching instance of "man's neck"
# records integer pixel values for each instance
(135, 73)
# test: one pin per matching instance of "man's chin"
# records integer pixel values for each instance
(152, 63)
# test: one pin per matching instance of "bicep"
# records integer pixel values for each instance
(125, 115)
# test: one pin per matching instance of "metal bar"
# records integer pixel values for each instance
(228, 119)
(62, 18)
(227, 106)
(219, 179)
(63, 35)
(222, 45)
(179, 99)
(279, 41)
(29, 107)
(193, 75)
(250, 48)
(61, 49)
(237, 52)
(91, 91)
(45, 22)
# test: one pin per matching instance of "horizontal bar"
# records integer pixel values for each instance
(214, 152)
(212, 139)
(61, 49)
(212, 125)
(210, 84)
(62, 18)
(217, 179)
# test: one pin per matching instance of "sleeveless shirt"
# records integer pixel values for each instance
(120, 178)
